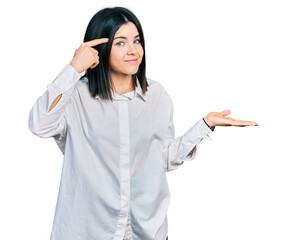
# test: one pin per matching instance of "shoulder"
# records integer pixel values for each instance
(158, 88)
(153, 83)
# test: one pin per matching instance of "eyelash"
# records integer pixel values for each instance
(118, 44)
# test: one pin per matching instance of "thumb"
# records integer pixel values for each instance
(225, 112)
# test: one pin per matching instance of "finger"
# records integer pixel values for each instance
(94, 51)
(250, 123)
(95, 42)
(225, 112)
(94, 64)
(236, 122)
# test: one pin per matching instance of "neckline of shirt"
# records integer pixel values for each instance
(129, 95)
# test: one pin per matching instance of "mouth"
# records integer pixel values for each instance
(131, 60)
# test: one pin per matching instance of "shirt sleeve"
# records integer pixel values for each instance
(47, 124)
(183, 148)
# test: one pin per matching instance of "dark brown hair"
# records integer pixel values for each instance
(104, 24)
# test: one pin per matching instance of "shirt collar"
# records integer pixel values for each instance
(139, 90)
(128, 95)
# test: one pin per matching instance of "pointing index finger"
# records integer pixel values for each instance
(95, 42)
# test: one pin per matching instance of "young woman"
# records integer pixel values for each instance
(115, 129)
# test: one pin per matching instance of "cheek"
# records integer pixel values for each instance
(140, 51)
(115, 56)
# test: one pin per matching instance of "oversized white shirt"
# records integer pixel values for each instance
(113, 184)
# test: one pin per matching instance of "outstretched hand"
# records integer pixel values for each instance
(219, 119)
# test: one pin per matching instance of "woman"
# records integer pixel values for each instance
(115, 129)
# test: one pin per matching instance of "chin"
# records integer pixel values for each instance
(127, 71)
(132, 71)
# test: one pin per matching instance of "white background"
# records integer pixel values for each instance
(210, 56)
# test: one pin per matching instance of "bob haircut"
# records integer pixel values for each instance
(104, 24)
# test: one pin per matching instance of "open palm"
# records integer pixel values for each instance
(219, 119)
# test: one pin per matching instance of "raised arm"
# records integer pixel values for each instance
(84, 57)
(47, 117)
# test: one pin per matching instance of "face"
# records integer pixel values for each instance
(126, 51)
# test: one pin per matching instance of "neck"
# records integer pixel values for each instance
(122, 84)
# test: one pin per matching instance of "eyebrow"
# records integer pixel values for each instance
(125, 37)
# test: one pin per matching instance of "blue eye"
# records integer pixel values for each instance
(121, 43)
(118, 44)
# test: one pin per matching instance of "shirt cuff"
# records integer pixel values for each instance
(199, 131)
(67, 78)
(193, 137)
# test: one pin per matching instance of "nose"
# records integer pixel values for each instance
(131, 49)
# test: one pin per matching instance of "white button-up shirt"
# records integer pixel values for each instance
(113, 183)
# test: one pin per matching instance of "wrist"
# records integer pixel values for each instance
(75, 67)
(209, 122)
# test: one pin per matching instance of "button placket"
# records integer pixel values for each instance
(124, 169)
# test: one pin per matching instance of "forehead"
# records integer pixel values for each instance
(127, 29)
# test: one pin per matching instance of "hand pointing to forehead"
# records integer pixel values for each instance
(86, 56)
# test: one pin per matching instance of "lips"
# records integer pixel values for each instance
(131, 60)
